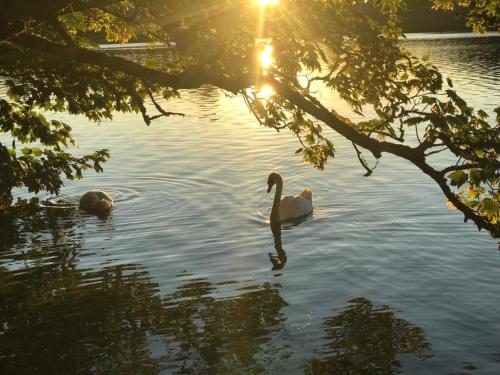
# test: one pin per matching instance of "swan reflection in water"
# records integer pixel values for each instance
(278, 261)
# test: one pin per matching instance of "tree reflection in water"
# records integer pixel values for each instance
(56, 318)
(364, 339)
(219, 336)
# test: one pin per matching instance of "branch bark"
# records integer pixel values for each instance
(189, 79)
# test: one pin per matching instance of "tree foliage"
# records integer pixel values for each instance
(50, 62)
(483, 15)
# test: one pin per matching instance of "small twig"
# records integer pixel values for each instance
(249, 105)
(458, 168)
(436, 152)
(161, 110)
(416, 133)
(363, 162)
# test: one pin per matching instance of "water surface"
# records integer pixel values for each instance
(383, 278)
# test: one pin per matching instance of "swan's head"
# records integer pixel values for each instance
(272, 180)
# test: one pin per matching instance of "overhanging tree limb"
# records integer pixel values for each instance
(188, 79)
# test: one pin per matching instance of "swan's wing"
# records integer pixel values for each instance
(294, 206)
(288, 199)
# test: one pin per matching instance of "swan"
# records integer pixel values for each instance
(290, 207)
(96, 201)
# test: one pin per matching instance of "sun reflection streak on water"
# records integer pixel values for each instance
(266, 58)
(265, 93)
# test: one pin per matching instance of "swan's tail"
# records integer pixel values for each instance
(307, 193)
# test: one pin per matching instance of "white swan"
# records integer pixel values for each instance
(290, 207)
(96, 202)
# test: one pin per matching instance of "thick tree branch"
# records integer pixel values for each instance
(189, 79)
(62, 32)
(342, 125)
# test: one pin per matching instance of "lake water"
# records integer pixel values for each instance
(383, 278)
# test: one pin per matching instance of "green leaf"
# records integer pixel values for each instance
(479, 153)
(458, 178)
(471, 193)
(482, 114)
(490, 206)
(475, 176)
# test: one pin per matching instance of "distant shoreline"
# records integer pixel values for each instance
(408, 36)
(448, 35)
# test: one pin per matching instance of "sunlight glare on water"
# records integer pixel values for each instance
(266, 58)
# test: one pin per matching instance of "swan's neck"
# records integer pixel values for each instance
(275, 211)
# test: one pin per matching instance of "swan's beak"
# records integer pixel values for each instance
(269, 187)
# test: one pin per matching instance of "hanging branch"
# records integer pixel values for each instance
(363, 161)
(161, 110)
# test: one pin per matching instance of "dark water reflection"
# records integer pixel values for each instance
(365, 339)
(57, 318)
(202, 334)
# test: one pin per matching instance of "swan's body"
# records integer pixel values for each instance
(290, 206)
(96, 201)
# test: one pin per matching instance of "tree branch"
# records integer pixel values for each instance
(62, 32)
(363, 162)
(160, 109)
(191, 78)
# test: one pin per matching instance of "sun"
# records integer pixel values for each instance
(268, 2)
